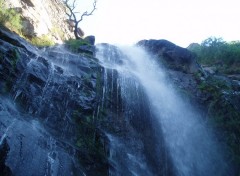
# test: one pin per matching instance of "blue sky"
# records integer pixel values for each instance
(179, 21)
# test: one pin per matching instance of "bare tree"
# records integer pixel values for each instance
(73, 21)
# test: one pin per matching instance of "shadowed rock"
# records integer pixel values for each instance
(4, 149)
(171, 55)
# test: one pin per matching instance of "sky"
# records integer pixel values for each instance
(182, 22)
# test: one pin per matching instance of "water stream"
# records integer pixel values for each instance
(188, 141)
(134, 117)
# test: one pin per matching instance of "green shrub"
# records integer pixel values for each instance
(73, 44)
(216, 52)
(10, 18)
(42, 41)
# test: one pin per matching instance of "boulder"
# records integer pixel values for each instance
(90, 39)
(194, 46)
(171, 55)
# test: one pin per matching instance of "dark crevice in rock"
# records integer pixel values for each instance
(4, 149)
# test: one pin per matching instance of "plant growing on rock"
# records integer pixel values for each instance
(225, 56)
(73, 21)
(42, 41)
(73, 44)
(10, 18)
(223, 113)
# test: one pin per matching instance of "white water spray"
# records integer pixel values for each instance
(189, 142)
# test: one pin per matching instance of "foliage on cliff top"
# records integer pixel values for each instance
(10, 18)
(216, 52)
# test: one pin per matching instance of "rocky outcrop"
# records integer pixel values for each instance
(90, 39)
(193, 46)
(43, 17)
(53, 129)
(171, 55)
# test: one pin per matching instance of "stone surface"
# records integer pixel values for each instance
(90, 39)
(171, 55)
(4, 149)
(43, 17)
(57, 94)
(88, 49)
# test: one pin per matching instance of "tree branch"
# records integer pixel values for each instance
(88, 14)
(72, 15)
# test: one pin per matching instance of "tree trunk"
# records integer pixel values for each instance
(76, 30)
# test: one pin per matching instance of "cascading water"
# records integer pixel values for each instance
(64, 114)
(126, 149)
(189, 147)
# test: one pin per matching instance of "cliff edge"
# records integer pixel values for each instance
(42, 17)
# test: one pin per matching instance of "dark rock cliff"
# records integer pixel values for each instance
(48, 101)
(171, 55)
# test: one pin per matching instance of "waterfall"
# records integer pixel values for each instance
(117, 114)
(181, 142)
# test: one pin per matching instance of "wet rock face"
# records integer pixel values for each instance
(59, 90)
(28, 149)
(4, 149)
(171, 55)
